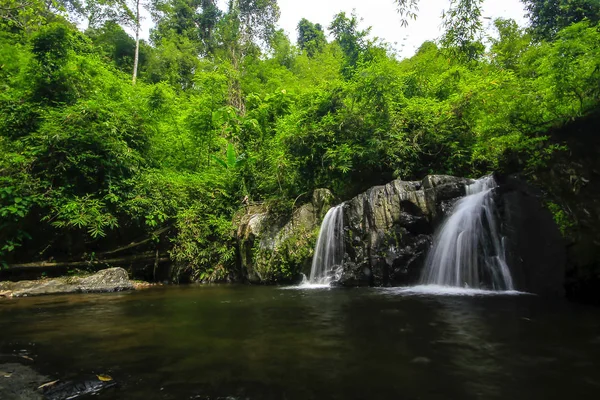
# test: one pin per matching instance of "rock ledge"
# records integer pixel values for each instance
(106, 280)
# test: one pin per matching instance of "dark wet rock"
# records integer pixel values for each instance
(20, 382)
(354, 275)
(406, 264)
(75, 389)
(535, 248)
(388, 232)
(389, 229)
(441, 192)
(107, 280)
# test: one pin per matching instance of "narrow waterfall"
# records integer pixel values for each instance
(329, 251)
(468, 249)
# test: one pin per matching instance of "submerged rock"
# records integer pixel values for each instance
(107, 280)
(75, 389)
(19, 382)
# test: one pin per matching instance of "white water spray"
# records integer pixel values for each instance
(468, 250)
(329, 251)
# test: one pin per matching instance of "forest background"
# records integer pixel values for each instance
(107, 139)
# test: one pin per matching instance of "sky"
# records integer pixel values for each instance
(382, 16)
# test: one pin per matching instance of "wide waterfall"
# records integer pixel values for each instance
(329, 251)
(468, 250)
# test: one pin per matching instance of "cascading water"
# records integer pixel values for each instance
(329, 251)
(468, 250)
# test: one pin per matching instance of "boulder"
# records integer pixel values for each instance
(107, 280)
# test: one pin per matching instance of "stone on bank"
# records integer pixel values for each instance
(106, 280)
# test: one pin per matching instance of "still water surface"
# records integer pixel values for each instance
(255, 343)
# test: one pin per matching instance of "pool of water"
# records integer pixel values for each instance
(244, 342)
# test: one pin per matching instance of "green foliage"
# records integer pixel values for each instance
(82, 213)
(563, 220)
(55, 70)
(204, 243)
(114, 45)
(311, 37)
(463, 28)
(513, 41)
(285, 263)
(351, 40)
(548, 17)
(228, 112)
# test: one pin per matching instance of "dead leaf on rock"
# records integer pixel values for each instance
(105, 378)
(6, 374)
(48, 384)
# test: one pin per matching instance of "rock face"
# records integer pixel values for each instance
(387, 233)
(389, 229)
(107, 280)
(535, 249)
(275, 249)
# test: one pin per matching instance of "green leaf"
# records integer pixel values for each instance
(231, 157)
(220, 161)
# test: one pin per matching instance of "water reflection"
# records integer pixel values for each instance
(468, 346)
(268, 343)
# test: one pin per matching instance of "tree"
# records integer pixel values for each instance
(550, 16)
(25, 15)
(114, 44)
(135, 18)
(513, 41)
(463, 27)
(246, 25)
(311, 37)
(350, 39)
(194, 19)
(407, 10)
(462, 22)
(126, 12)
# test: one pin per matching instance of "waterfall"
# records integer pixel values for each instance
(329, 251)
(468, 249)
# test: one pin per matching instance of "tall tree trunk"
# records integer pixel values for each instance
(235, 87)
(137, 40)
